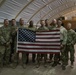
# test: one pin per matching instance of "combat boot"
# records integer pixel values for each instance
(63, 67)
(72, 65)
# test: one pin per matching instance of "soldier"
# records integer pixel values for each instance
(48, 26)
(63, 39)
(13, 35)
(53, 24)
(14, 55)
(2, 51)
(5, 38)
(21, 21)
(42, 28)
(52, 27)
(71, 40)
(31, 27)
(46, 23)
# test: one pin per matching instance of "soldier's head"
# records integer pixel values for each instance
(42, 22)
(6, 22)
(13, 22)
(31, 23)
(69, 26)
(21, 21)
(54, 21)
(59, 23)
(46, 22)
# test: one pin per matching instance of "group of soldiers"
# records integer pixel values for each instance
(8, 43)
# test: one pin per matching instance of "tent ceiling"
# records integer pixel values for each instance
(35, 9)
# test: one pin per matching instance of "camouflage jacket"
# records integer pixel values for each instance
(42, 28)
(5, 35)
(63, 35)
(71, 37)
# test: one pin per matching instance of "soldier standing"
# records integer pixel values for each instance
(21, 21)
(31, 27)
(63, 40)
(2, 50)
(42, 28)
(6, 42)
(71, 40)
(14, 55)
(52, 27)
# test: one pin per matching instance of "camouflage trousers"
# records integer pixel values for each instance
(70, 49)
(39, 57)
(57, 58)
(1, 60)
(7, 55)
(16, 58)
(63, 55)
(33, 57)
(23, 57)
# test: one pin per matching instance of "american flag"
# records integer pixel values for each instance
(38, 42)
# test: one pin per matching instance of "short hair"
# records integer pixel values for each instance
(13, 19)
(5, 20)
(69, 24)
(41, 20)
(20, 19)
(54, 20)
(46, 19)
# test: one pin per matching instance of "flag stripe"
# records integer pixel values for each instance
(47, 37)
(55, 30)
(50, 36)
(26, 44)
(38, 46)
(48, 40)
(39, 50)
(47, 33)
(38, 43)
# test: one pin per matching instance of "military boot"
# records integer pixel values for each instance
(72, 65)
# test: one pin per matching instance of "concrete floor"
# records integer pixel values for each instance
(32, 70)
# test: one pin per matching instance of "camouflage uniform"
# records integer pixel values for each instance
(33, 55)
(71, 39)
(42, 28)
(23, 53)
(13, 34)
(16, 54)
(5, 39)
(14, 45)
(52, 27)
(2, 50)
(63, 38)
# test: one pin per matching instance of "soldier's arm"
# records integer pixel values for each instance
(10, 38)
(14, 31)
(2, 40)
(74, 38)
(64, 37)
(9, 41)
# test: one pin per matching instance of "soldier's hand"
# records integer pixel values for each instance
(16, 29)
(16, 51)
(61, 46)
